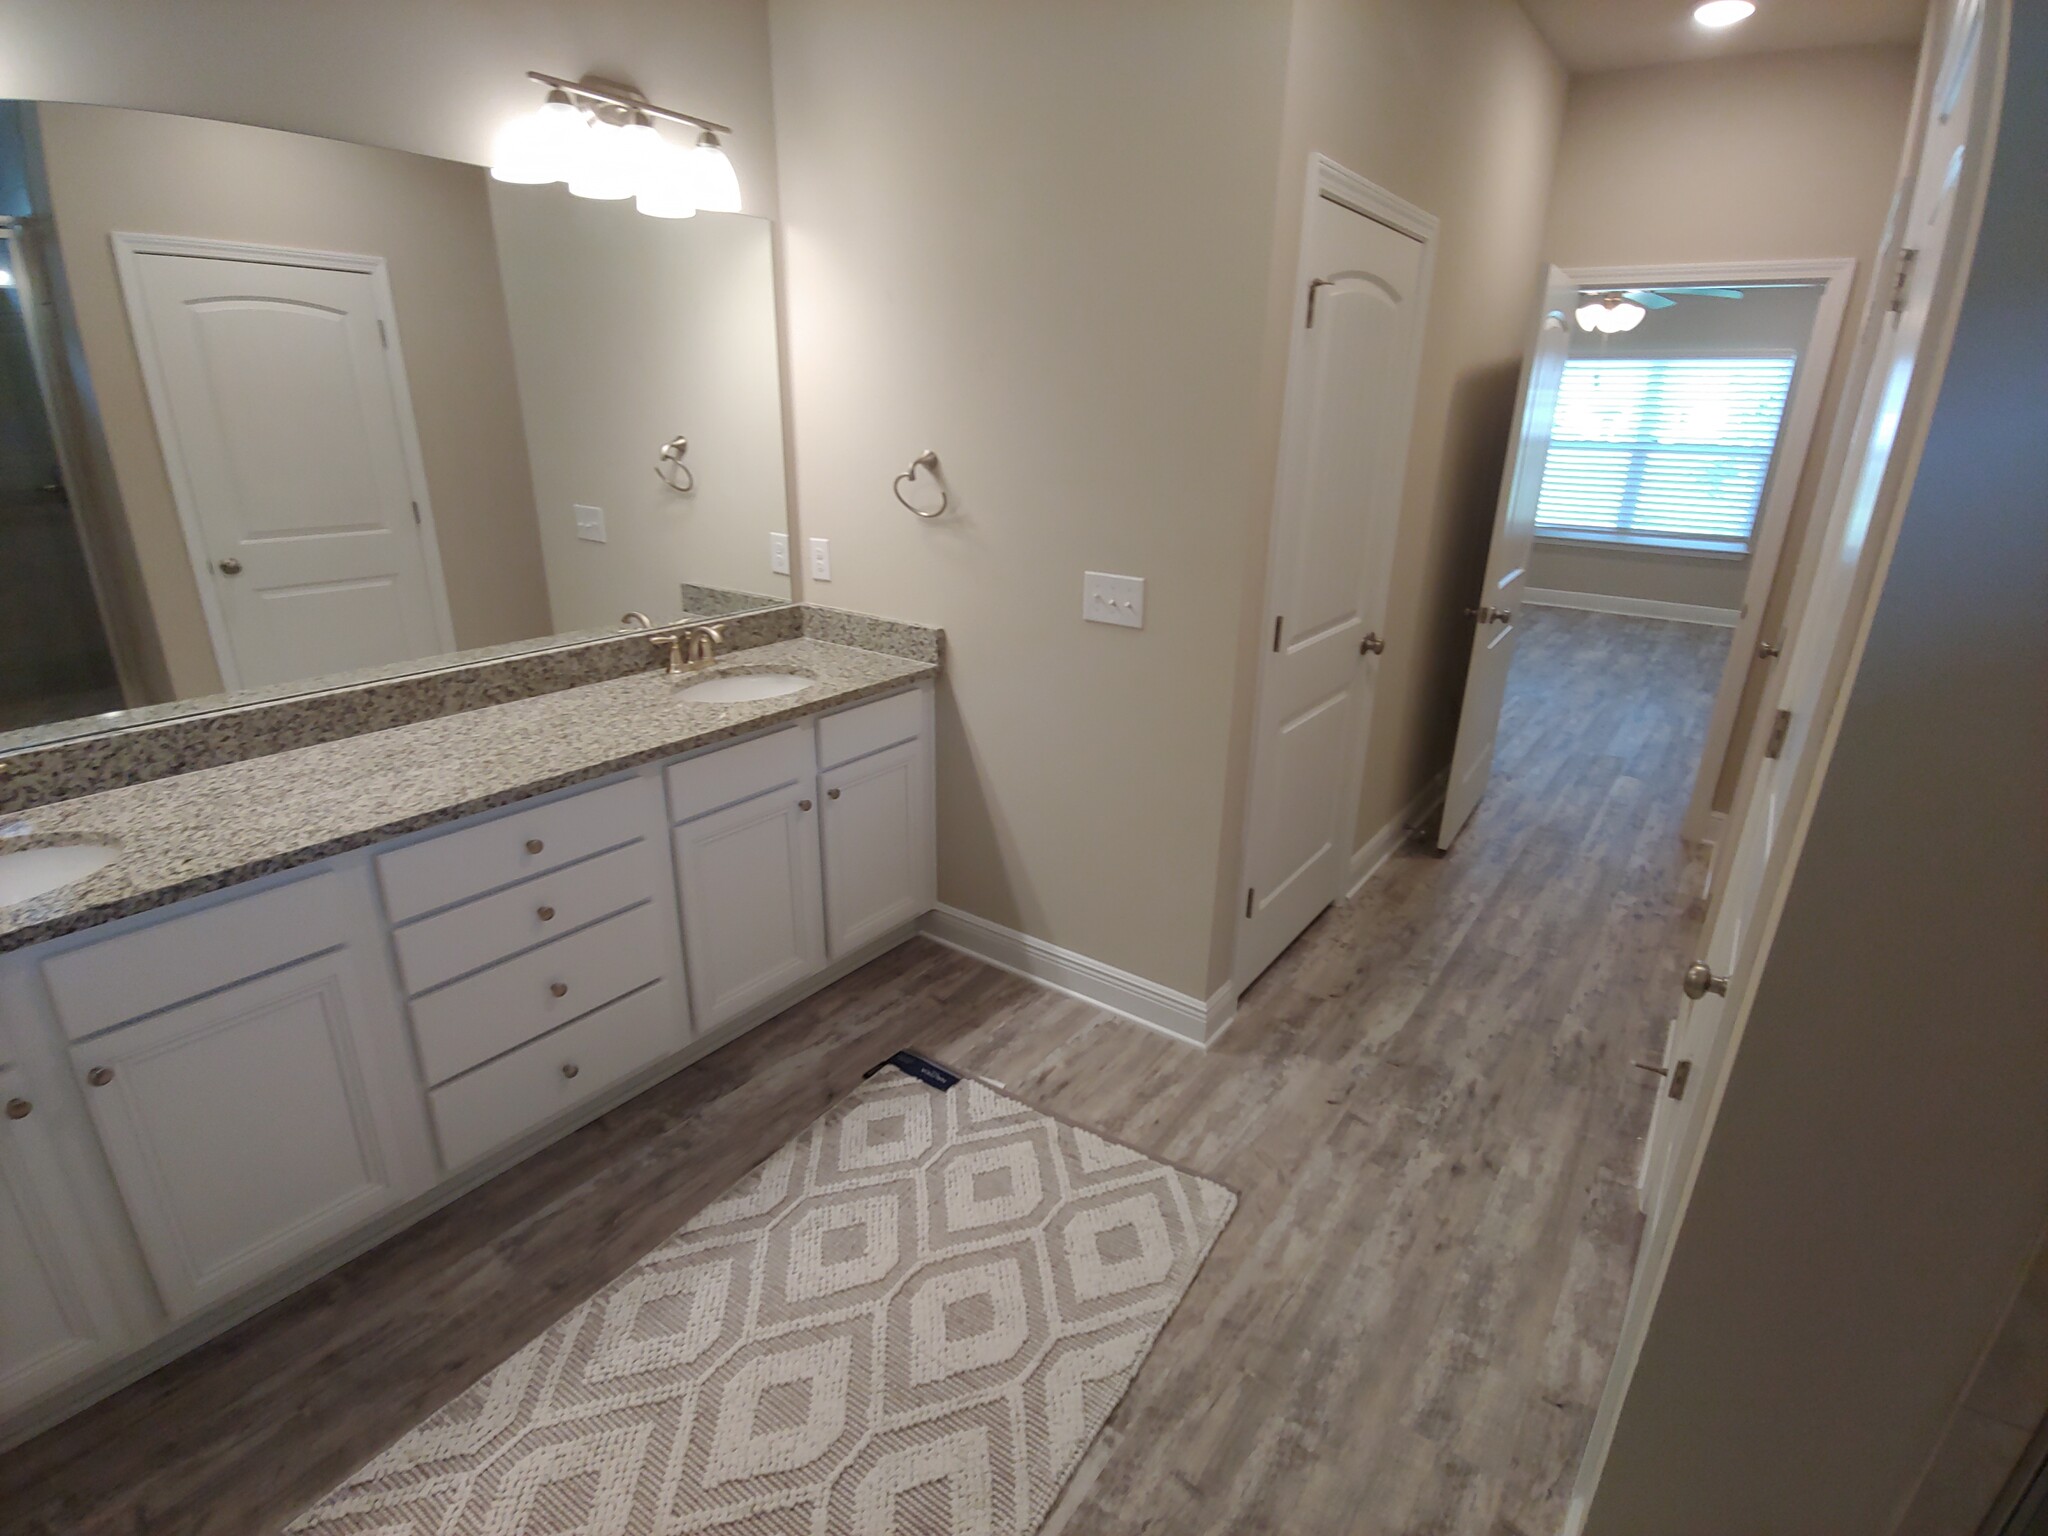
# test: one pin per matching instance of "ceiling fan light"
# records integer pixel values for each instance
(1723, 13)
(1625, 316)
(1591, 315)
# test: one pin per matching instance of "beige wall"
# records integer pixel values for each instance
(1035, 238)
(1784, 156)
(149, 174)
(1762, 320)
(1455, 106)
(1873, 1192)
(629, 331)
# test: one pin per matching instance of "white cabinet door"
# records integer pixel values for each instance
(753, 911)
(878, 853)
(243, 1128)
(56, 1321)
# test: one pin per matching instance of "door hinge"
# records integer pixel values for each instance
(383, 336)
(416, 514)
(1908, 259)
(1780, 728)
(1249, 893)
(1315, 284)
(1679, 1074)
(1278, 620)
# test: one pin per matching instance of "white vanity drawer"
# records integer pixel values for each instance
(869, 727)
(467, 938)
(510, 1096)
(740, 772)
(472, 1020)
(457, 865)
(101, 984)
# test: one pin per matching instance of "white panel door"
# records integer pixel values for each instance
(1350, 397)
(243, 1129)
(878, 852)
(753, 907)
(287, 446)
(55, 1319)
(1507, 563)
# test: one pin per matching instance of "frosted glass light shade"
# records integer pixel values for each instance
(666, 189)
(1609, 318)
(536, 147)
(603, 164)
(1625, 316)
(714, 184)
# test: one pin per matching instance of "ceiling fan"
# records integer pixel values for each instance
(1623, 309)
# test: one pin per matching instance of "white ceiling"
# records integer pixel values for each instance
(1617, 34)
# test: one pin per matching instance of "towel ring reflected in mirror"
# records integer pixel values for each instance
(670, 464)
(929, 461)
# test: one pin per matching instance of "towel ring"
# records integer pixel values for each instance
(928, 460)
(670, 464)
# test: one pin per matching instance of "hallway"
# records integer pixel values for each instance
(1427, 1108)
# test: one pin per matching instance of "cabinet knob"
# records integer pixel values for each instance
(803, 805)
(17, 1109)
(231, 566)
(570, 1069)
(559, 988)
(99, 1077)
(831, 794)
(534, 845)
(545, 914)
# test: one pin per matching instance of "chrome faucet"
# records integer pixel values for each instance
(690, 650)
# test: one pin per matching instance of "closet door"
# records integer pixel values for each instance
(753, 909)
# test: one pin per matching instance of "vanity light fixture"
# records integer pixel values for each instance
(1723, 13)
(602, 140)
(1609, 312)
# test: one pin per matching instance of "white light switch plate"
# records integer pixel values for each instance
(778, 553)
(590, 524)
(1107, 599)
(821, 559)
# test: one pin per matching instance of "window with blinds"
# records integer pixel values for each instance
(1663, 450)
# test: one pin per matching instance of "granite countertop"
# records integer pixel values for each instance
(216, 827)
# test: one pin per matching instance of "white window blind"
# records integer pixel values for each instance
(1670, 450)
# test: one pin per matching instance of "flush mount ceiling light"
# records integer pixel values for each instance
(601, 139)
(1609, 312)
(1723, 13)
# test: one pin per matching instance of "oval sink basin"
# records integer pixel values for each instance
(26, 873)
(738, 687)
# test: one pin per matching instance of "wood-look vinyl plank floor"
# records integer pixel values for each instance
(1427, 1107)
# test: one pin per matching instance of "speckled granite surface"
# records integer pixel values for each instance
(201, 831)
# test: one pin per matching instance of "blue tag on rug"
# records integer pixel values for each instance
(928, 1072)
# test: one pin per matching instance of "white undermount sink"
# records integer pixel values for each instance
(739, 687)
(26, 873)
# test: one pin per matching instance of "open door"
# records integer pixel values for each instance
(1507, 564)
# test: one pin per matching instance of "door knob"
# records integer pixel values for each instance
(1372, 645)
(1699, 981)
(231, 566)
(1768, 650)
(1486, 615)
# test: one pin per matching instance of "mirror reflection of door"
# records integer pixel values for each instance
(280, 410)
(55, 662)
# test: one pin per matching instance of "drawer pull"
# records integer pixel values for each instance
(570, 1069)
(831, 794)
(17, 1109)
(534, 845)
(558, 988)
(99, 1077)
(545, 914)
(803, 805)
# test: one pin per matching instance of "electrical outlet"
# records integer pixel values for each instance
(590, 523)
(821, 559)
(1107, 599)
(778, 553)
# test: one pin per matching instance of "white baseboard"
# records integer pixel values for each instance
(1634, 607)
(1379, 848)
(1190, 1019)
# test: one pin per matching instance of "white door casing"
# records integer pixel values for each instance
(1497, 613)
(1350, 400)
(287, 434)
(1908, 323)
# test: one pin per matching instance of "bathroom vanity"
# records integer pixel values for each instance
(317, 993)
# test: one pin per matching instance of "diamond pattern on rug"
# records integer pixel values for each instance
(909, 1321)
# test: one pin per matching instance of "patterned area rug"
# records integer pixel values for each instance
(910, 1321)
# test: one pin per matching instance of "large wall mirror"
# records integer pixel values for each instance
(281, 412)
